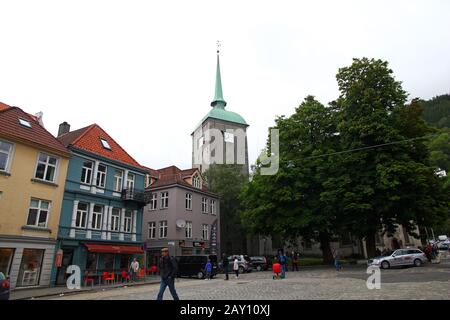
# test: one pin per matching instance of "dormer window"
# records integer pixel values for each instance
(25, 123)
(105, 144)
(196, 182)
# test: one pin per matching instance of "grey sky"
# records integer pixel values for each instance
(144, 70)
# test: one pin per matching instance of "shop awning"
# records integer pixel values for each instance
(108, 248)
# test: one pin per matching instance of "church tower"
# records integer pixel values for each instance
(233, 134)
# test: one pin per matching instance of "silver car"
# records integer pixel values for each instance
(400, 257)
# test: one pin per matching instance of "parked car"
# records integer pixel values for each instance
(260, 263)
(195, 265)
(400, 257)
(4, 287)
(244, 263)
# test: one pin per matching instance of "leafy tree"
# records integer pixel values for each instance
(437, 111)
(227, 181)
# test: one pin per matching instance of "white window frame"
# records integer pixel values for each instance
(164, 200)
(213, 207)
(205, 232)
(204, 205)
(118, 181)
(105, 144)
(97, 218)
(86, 169)
(188, 232)
(47, 164)
(38, 215)
(9, 156)
(131, 185)
(152, 230)
(83, 214)
(100, 175)
(163, 229)
(196, 181)
(154, 202)
(128, 221)
(115, 219)
(188, 201)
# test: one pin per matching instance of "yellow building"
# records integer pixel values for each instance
(33, 169)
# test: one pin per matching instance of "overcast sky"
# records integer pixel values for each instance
(145, 70)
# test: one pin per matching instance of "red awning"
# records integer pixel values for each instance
(108, 248)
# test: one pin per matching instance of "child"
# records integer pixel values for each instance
(208, 269)
(236, 267)
(276, 268)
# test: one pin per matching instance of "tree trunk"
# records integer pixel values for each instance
(327, 255)
(370, 244)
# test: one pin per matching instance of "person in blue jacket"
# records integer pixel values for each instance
(283, 260)
(208, 270)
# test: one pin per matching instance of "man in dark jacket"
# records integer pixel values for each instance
(225, 265)
(168, 268)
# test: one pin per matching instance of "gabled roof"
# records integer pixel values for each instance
(36, 134)
(88, 139)
(3, 106)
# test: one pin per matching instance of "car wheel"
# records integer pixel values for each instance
(417, 262)
(385, 265)
(241, 269)
(258, 268)
(200, 275)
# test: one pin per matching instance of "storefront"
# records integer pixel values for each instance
(27, 261)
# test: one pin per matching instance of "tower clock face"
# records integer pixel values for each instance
(229, 137)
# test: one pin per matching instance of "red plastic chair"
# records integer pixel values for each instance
(107, 277)
(153, 269)
(125, 276)
(88, 279)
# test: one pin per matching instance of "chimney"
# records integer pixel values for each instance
(63, 128)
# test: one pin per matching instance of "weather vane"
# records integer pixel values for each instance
(218, 46)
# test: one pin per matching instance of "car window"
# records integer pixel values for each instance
(399, 253)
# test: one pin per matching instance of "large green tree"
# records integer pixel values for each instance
(385, 176)
(288, 204)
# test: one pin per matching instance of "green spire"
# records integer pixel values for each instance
(218, 101)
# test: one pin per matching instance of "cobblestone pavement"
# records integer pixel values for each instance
(428, 282)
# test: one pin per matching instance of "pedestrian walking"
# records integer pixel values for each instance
(283, 260)
(294, 261)
(336, 256)
(168, 267)
(225, 264)
(236, 267)
(208, 270)
(134, 269)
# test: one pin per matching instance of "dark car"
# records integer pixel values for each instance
(260, 263)
(189, 266)
(4, 287)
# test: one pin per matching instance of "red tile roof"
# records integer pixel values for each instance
(88, 139)
(3, 106)
(173, 175)
(10, 127)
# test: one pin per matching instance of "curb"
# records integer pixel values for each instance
(75, 292)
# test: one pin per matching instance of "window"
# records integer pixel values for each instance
(101, 175)
(128, 221)
(229, 137)
(38, 213)
(115, 219)
(204, 205)
(81, 218)
(152, 230)
(213, 207)
(25, 123)
(163, 229)
(5, 155)
(205, 232)
(130, 181)
(164, 200)
(153, 201)
(118, 177)
(97, 217)
(91, 261)
(86, 172)
(30, 267)
(188, 229)
(46, 167)
(105, 144)
(6, 256)
(188, 201)
(196, 182)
